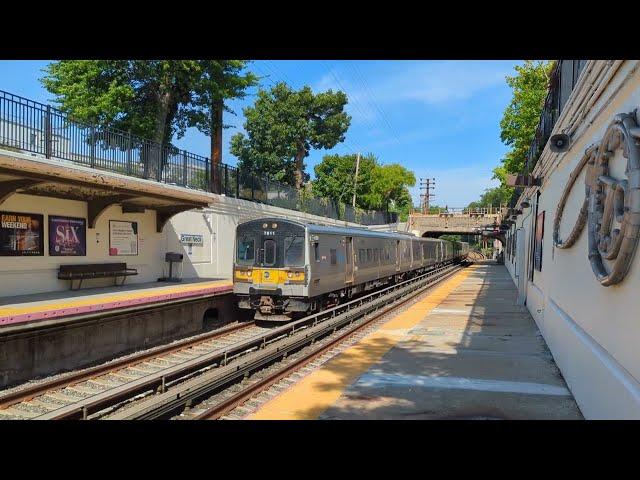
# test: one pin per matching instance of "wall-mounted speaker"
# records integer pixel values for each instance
(560, 142)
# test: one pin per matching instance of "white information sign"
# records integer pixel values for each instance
(123, 238)
(189, 239)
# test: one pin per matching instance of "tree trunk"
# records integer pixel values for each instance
(154, 160)
(299, 160)
(216, 144)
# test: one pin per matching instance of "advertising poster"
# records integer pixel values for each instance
(21, 234)
(67, 236)
(537, 255)
(123, 238)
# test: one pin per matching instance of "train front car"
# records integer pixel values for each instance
(269, 273)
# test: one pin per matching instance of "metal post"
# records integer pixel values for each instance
(129, 153)
(226, 179)
(237, 183)
(355, 179)
(93, 147)
(252, 186)
(47, 133)
(184, 168)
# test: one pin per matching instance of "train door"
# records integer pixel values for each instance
(267, 254)
(349, 259)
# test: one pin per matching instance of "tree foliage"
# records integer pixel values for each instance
(389, 187)
(154, 99)
(378, 186)
(284, 125)
(335, 177)
(518, 126)
(219, 80)
(145, 97)
(520, 118)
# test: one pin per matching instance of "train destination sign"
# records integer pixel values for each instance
(21, 234)
(189, 239)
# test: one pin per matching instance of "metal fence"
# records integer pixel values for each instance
(33, 127)
(563, 80)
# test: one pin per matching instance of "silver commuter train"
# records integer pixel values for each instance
(283, 267)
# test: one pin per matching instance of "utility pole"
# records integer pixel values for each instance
(355, 180)
(428, 186)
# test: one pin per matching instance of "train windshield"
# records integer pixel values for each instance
(294, 251)
(246, 250)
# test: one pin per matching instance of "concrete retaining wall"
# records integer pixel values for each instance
(30, 352)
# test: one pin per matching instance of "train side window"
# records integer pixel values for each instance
(369, 255)
(361, 256)
(316, 251)
(333, 254)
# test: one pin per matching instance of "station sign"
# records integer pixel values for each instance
(191, 239)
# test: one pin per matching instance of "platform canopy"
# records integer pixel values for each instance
(36, 175)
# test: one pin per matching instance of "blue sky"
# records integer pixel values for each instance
(437, 118)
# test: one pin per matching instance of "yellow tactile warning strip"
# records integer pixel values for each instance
(26, 312)
(316, 392)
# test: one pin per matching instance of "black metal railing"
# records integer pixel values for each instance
(37, 128)
(563, 80)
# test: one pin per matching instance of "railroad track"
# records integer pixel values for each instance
(68, 390)
(161, 384)
(306, 341)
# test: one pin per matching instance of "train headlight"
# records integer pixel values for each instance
(295, 277)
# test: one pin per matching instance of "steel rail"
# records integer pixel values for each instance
(239, 398)
(29, 393)
(220, 357)
(160, 406)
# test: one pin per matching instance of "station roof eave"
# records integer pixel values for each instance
(36, 175)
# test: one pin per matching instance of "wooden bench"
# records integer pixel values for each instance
(81, 272)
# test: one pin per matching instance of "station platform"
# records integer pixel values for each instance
(18, 310)
(464, 351)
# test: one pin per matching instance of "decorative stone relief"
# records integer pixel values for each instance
(611, 207)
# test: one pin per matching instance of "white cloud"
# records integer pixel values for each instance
(441, 82)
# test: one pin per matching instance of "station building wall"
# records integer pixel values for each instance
(592, 331)
(23, 275)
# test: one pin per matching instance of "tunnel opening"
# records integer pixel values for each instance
(210, 319)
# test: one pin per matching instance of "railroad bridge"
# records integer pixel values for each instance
(454, 221)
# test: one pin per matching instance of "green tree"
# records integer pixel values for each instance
(335, 177)
(451, 238)
(219, 80)
(284, 125)
(520, 118)
(389, 188)
(141, 96)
